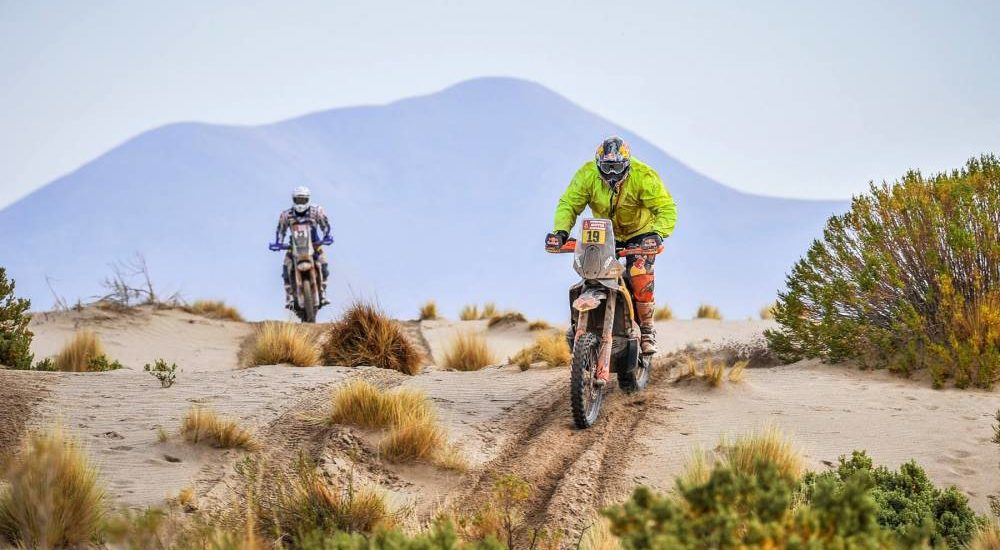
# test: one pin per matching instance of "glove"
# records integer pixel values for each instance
(327, 240)
(651, 242)
(555, 240)
(274, 247)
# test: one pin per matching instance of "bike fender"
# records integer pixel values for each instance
(589, 299)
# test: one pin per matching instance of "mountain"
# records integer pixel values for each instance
(446, 196)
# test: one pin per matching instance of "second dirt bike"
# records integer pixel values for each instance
(604, 333)
(305, 274)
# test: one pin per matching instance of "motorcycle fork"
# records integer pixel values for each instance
(607, 339)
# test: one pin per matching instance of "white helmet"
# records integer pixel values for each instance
(300, 199)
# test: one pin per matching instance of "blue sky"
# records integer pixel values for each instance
(802, 99)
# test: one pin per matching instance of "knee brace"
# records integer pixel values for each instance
(642, 287)
(284, 275)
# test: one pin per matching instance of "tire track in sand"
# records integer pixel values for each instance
(572, 472)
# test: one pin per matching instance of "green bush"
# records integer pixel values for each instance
(908, 502)
(15, 338)
(907, 279)
(855, 506)
(167, 375)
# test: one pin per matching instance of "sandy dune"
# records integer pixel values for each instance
(504, 420)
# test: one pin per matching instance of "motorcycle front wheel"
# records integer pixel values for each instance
(309, 307)
(585, 396)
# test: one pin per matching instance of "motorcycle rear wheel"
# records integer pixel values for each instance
(585, 396)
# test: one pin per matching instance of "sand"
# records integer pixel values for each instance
(503, 420)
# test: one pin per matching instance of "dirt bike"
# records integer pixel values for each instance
(604, 334)
(305, 275)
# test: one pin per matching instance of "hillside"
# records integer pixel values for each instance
(445, 196)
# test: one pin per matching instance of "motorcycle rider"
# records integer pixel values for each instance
(303, 212)
(642, 212)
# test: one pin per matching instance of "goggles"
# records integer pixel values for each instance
(300, 200)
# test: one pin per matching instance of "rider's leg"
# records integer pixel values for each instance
(286, 277)
(640, 279)
(325, 270)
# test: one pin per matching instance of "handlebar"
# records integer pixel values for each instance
(570, 247)
(274, 247)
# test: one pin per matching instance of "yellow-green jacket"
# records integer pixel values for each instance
(643, 204)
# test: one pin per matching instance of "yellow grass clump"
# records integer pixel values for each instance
(489, 311)
(737, 370)
(51, 497)
(706, 311)
(711, 370)
(83, 353)
(470, 312)
(413, 439)
(663, 313)
(314, 504)
(468, 352)
(539, 325)
(429, 311)
(767, 312)
(214, 309)
(987, 537)
(359, 403)
(769, 445)
(278, 343)
(203, 425)
(599, 537)
(409, 417)
(714, 371)
(367, 337)
(551, 349)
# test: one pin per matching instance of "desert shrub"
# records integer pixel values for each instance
(214, 309)
(551, 349)
(52, 496)
(276, 343)
(468, 352)
(755, 352)
(83, 353)
(767, 312)
(367, 337)
(137, 529)
(663, 313)
(539, 325)
(502, 518)
(907, 279)
(429, 311)
(203, 425)
(167, 375)
(706, 311)
(909, 504)
(15, 338)
(313, 506)
(470, 312)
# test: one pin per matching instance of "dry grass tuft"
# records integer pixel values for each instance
(429, 311)
(214, 309)
(737, 371)
(367, 337)
(599, 537)
(551, 349)
(283, 343)
(83, 353)
(469, 312)
(697, 470)
(413, 439)
(539, 325)
(468, 352)
(767, 312)
(713, 372)
(987, 537)
(506, 318)
(359, 403)
(770, 445)
(706, 311)
(313, 504)
(663, 313)
(52, 497)
(203, 425)
(489, 311)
